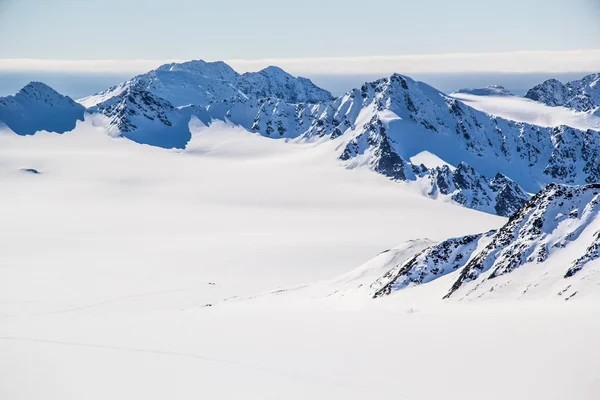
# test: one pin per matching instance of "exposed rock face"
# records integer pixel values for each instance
(556, 236)
(531, 235)
(139, 115)
(582, 95)
(432, 263)
(551, 92)
(465, 186)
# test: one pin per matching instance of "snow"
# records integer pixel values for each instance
(240, 266)
(383, 125)
(520, 109)
(429, 160)
(232, 200)
(200, 83)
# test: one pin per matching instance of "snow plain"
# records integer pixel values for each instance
(129, 272)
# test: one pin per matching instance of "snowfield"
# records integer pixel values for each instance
(521, 109)
(235, 269)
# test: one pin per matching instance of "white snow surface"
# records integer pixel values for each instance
(112, 254)
(521, 109)
(429, 160)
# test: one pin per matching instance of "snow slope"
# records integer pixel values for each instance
(230, 200)
(548, 249)
(525, 110)
(131, 271)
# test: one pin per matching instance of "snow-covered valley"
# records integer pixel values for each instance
(239, 266)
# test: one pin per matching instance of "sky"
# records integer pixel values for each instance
(115, 39)
(282, 29)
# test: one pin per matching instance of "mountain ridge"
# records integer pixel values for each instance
(496, 163)
(582, 95)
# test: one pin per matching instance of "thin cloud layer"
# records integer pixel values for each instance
(512, 62)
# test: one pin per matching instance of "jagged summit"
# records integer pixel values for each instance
(551, 92)
(581, 95)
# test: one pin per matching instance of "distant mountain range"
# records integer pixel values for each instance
(488, 163)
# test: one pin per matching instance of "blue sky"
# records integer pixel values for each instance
(83, 46)
(241, 29)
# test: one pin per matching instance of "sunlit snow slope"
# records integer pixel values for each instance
(130, 271)
(522, 109)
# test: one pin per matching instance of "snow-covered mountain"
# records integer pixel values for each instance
(551, 246)
(201, 83)
(492, 90)
(138, 114)
(275, 82)
(38, 107)
(581, 95)
(155, 108)
(491, 164)
(386, 122)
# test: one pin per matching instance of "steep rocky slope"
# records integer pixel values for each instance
(551, 246)
(581, 95)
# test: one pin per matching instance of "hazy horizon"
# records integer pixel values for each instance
(81, 84)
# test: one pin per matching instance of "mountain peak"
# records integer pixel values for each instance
(35, 87)
(39, 107)
(491, 90)
(273, 69)
(36, 91)
(581, 95)
(212, 69)
(275, 82)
